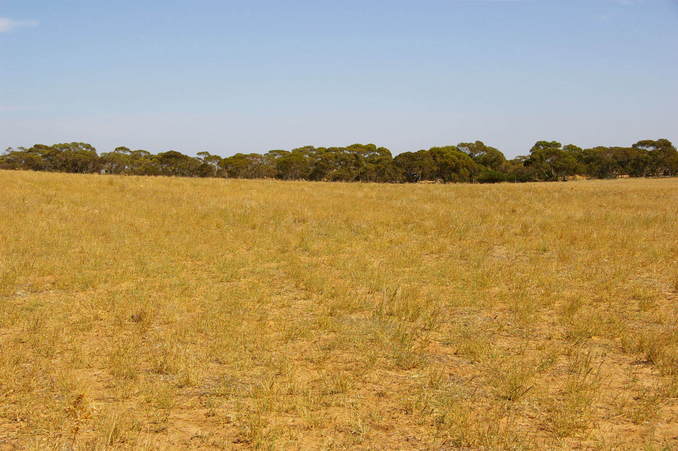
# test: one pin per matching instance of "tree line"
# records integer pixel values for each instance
(472, 162)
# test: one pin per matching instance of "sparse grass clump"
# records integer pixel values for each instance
(161, 313)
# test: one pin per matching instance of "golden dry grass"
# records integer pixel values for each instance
(160, 313)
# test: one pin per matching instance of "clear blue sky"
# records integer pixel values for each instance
(254, 75)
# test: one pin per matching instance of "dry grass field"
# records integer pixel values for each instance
(164, 313)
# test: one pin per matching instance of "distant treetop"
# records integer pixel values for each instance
(473, 162)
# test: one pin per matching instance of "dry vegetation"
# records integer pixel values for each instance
(156, 313)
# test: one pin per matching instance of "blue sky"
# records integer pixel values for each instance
(254, 75)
